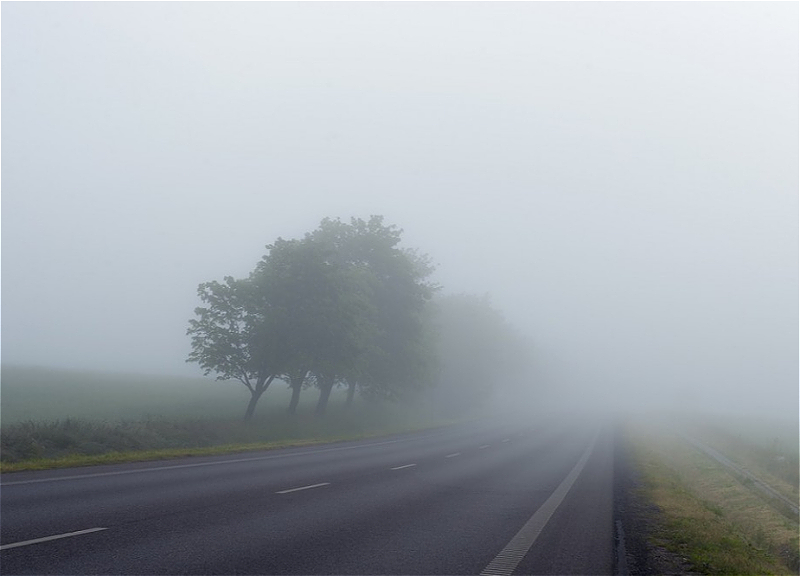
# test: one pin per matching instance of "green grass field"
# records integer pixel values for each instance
(48, 394)
(63, 418)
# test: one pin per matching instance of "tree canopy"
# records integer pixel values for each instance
(346, 305)
(478, 352)
(342, 305)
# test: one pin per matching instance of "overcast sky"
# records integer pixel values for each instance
(622, 178)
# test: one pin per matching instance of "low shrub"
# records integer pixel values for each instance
(29, 441)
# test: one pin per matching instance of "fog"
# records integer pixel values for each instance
(621, 178)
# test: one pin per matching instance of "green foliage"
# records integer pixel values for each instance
(477, 350)
(394, 357)
(344, 304)
(221, 332)
(231, 337)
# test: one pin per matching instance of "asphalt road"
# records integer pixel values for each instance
(494, 497)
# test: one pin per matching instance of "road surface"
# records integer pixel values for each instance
(496, 497)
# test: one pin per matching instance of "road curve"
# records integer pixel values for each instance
(456, 500)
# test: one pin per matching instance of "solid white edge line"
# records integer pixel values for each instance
(197, 464)
(303, 488)
(48, 538)
(509, 557)
(401, 467)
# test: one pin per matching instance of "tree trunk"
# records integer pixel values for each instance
(255, 394)
(296, 384)
(351, 391)
(251, 406)
(324, 393)
(295, 397)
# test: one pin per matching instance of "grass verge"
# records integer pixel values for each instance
(74, 460)
(774, 457)
(705, 515)
(72, 442)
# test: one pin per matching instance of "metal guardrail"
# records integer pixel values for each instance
(757, 482)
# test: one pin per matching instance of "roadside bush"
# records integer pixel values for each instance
(31, 440)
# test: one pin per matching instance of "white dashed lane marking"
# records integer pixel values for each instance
(48, 538)
(303, 488)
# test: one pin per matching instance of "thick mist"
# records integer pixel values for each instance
(620, 178)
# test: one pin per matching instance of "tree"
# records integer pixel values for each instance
(343, 305)
(393, 359)
(229, 339)
(478, 351)
(297, 380)
(259, 328)
(324, 308)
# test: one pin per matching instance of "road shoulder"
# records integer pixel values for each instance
(637, 520)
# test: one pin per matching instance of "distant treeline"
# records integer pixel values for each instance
(346, 306)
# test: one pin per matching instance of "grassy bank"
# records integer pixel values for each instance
(64, 443)
(79, 443)
(75, 419)
(770, 449)
(705, 515)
